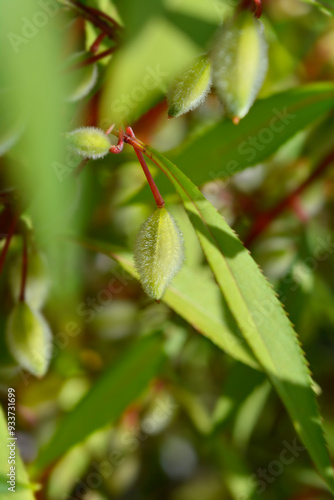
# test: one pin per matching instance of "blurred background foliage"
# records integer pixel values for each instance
(188, 421)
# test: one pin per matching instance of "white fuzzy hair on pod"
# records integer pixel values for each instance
(159, 252)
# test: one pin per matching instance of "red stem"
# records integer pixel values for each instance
(258, 8)
(79, 168)
(254, 5)
(264, 220)
(91, 60)
(24, 267)
(9, 236)
(155, 191)
(119, 148)
(95, 45)
(94, 15)
(99, 13)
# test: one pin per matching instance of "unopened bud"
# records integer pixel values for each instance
(190, 90)
(159, 252)
(89, 142)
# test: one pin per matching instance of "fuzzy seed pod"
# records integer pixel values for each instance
(239, 63)
(159, 252)
(190, 90)
(37, 283)
(89, 142)
(29, 339)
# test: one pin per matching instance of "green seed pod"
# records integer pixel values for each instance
(190, 90)
(239, 63)
(89, 142)
(159, 252)
(29, 339)
(37, 282)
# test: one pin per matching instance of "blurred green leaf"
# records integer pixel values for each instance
(237, 476)
(259, 315)
(326, 6)
(234, 394)
(139, 73)
(199, 30)
(249, 413)
(35, 95)
(119, 386)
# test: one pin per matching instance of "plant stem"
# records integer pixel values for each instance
(155, 191)
(79, 168)
(100, 13)
(95, 45)
(9, 236)
(94, 15)
(264, 220)
(119, 148)
(91, 60)
(254, 5)
(24, 267)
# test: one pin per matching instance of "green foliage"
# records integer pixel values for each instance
(259, 315)
(132, 373)
(171, 399)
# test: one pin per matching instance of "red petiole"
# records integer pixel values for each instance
(131, 139)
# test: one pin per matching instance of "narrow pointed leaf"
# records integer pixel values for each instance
(258, 313)
(119, 386)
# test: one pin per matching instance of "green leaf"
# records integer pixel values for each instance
(224, 149)
(235, 394)
(326, 6)
(237, 475)
(139, 73)
(258, 313)
(109, 397)
(195, 296)
(21, 477)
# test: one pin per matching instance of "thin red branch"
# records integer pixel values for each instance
(254, 5)
(24, 267)
(100, 13)
(79, 168)
(94, 16)
(96, 44)
(9, 236)
(264, 220)
(258, 8)
(91, 60)
(119, 148)
(155, 191)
